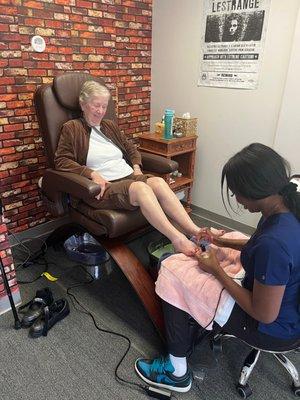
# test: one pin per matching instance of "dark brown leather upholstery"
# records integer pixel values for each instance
(57, 103)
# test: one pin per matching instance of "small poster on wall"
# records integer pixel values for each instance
(232, 42)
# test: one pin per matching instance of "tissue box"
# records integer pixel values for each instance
(188, 126)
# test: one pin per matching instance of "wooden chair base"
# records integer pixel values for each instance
(138, 277)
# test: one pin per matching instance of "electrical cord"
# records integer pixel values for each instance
(31, 256)
(27, 250)
(203, 329)
(119, 379)
(83, 310)
(44, 263)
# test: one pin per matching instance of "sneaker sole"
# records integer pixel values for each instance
(162, 385)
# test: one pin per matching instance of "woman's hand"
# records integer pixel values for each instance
(137, 170)
(208, 235)
(103, 183)
(208, 261)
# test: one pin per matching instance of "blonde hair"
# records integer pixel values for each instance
(92, 88)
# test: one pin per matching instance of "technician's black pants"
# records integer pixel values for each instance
(182, 330)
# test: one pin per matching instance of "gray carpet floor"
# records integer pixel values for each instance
(76, 361)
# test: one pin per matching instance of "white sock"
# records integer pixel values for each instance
(180, 365)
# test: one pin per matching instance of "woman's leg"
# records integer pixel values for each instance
(171, 205)
(170, 372)
(128, 194)
(141, 194)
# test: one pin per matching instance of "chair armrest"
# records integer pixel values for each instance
(67, 182)
(159, 164)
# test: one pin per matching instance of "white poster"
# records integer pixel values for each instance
(232, 42)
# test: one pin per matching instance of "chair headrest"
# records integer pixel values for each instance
(67, 88)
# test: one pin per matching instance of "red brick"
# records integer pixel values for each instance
(85, 4)
(13, 127)
(15, 104)
(13, 157)
(3, 228)
(75, 17)
(15, 63)
(20, 228)
(14, 46)
(34, 22)
(7, 150)
(20, 184)
(54, 24)
(33, 4)
(25, 111)
(37, 72)
(10, 37)
(3, 174)
(6, 81)
(4, 27)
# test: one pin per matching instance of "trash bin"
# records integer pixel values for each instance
(156, 250)
(83, 248)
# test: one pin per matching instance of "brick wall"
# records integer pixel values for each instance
(108, 38)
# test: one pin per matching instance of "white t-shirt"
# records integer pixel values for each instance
(106, 158)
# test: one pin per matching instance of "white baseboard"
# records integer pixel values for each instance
(39, 231)
(219, 221)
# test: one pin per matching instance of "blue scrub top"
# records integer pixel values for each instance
(272, 257)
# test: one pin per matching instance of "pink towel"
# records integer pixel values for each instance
(182, 283)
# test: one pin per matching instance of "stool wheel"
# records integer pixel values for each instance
(244, 390)
(296, 390)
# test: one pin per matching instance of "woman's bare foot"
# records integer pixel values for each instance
(184, 245)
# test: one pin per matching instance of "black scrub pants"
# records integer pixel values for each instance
(182, 330)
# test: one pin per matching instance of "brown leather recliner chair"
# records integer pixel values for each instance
(57, 103)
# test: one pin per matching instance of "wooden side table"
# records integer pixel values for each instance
(181, 150)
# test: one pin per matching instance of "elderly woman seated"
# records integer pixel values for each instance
(95, 148)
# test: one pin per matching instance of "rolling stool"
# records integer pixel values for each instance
(242, 387)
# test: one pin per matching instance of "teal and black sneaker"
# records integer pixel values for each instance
(159, 372)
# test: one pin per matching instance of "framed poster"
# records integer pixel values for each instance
(233, 40)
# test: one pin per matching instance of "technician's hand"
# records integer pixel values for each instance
(137, 170)
(220, 241)
(208, 260)
(103, 183)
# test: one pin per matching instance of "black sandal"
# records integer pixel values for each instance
(51, 315)
(42, 299)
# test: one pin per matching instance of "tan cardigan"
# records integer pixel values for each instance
(73, 145)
